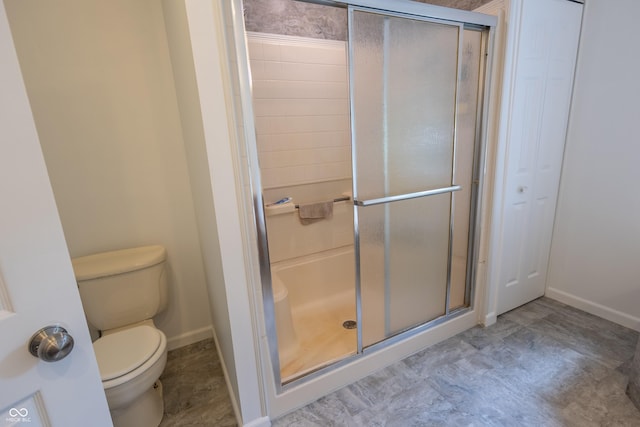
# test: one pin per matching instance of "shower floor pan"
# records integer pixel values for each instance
(322, 337)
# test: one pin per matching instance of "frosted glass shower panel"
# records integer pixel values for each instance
(466, 129)
(404, 247)
(403, 93)
(404, 80)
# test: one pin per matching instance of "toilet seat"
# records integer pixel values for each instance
(122, 353)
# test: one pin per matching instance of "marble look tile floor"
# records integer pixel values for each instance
(543, 364)
(195, 392)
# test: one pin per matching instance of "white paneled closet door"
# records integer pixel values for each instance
(542, 49)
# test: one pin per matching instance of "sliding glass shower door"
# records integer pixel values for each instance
(406, 116)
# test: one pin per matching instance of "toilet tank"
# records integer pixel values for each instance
(122, 287)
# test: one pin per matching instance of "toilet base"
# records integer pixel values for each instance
(146, 411)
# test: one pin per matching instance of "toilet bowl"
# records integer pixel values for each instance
(288, 344)
(130, 363)
(121, 291)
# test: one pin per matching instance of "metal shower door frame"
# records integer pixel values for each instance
(411, 10)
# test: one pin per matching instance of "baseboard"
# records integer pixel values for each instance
(189, 337)
(594, 308)
(259, 422)
(489, 319)
(232, 395)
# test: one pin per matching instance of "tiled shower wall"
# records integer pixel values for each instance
(301, 106)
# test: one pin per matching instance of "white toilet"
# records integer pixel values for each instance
(121, 291)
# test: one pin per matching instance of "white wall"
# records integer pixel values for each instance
(596, 241)
(101, 88)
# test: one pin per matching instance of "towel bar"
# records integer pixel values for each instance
(339, 199)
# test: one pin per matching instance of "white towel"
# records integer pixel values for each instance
(313, 212)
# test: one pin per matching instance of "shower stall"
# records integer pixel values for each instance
(383, 132)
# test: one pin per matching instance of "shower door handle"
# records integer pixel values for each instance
(406, 196)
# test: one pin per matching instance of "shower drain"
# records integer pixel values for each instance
(349, 324)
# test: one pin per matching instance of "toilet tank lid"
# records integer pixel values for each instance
(117, 262)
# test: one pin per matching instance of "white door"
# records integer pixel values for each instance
(546, 46)
(37, 287)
